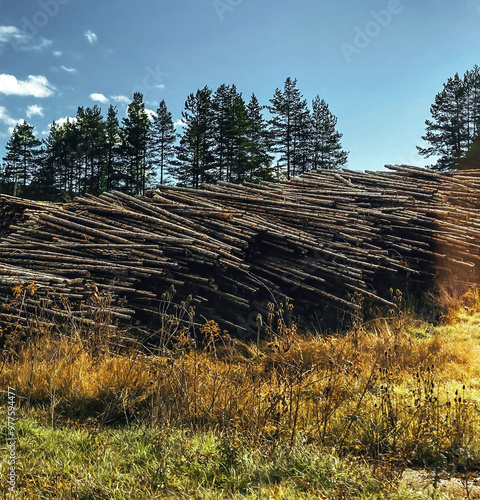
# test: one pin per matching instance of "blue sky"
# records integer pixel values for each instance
(377, 63)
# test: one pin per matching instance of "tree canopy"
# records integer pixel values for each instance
(220, 137)
(455, 121)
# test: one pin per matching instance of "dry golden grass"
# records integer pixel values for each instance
(391, 388)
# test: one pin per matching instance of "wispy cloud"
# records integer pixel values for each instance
(6, 118)
(36, 86)
(34, 109)
(68, 70)
(121, 99)
(91, 37)
(179, 123)
(42, 44)
(57, 53)
(98, 97)
(11, 33)
(21, 40)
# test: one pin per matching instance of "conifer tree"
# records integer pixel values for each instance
(237, 165)
(163, 137)
(448, 131)
(195, 162)
(223, 122)
(91, 148)
(112, 174)
(303, 142)
(258, 159)
(230, 124)
(472, 158)
(327, 148)
(289, 111)
(71, 168)
(47, 179)
(471, 81)
(135, 133)
(21, 159)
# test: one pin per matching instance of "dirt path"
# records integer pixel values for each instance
(421, 481)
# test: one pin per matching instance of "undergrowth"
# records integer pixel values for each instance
(292, 414)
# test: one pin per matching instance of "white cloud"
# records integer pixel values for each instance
(65, 119)
(57, 53)
(98, 97)
(34, 109)
(91, 37)
(68, 70)
(122, 99)
(21, 40)
(8, 33)
(36, 86)
(44, 42)
(151, 114)
(6, 118)
(179, 123)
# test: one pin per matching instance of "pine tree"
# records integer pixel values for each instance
(112, 174)
(75, 156)
(289, 111)
(194, 164)
(303, 143)
(91, 148)
(71, 166)
(135, 134)
(238, 170)
(46, 180)
(258, 160)
(448, 131)
(21, 159)
(4, 185)
(471, 81)
(327, 148)
(222, 119)
(12, 166)
(472, 158)
(61, 166)
(230, 134)
(163, 137)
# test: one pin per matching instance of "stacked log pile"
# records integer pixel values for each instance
(12, 211)
(319, 240)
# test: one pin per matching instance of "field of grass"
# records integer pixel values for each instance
(293, 415)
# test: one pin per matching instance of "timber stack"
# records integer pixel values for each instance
(327, 241)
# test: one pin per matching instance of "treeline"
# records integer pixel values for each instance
(453, 132)
(222, 138)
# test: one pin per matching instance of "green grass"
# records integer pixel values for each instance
(144, 462)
